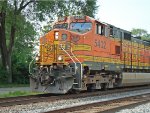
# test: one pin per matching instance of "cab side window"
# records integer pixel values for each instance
(111, 31)
(100, 29)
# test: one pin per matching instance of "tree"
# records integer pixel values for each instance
(140, 33)
(11, 11)
(90, 8)
(10, 14)
(23, 51)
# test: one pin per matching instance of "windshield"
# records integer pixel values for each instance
(81, 27)
(60, 26)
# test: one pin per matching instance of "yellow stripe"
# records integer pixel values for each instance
(110, 60)
(82, 47)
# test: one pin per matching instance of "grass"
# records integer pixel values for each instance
(17, 93)
(13, 85)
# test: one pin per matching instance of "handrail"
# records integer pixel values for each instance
(75, 56)
(69, 56)
(31, 63)
(77, 60)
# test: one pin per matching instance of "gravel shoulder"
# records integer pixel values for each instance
(143, 108)
(7, 90)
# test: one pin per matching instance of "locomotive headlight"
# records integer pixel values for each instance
(38, 54)
(37, 58)
(60, 58)
(56, 35)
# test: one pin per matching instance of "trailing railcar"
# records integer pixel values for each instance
(81, 53)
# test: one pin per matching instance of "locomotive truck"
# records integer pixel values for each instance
(82, 53)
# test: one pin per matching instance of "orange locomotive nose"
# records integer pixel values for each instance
(55, 47)
(47, 49)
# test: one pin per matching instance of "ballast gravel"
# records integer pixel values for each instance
(144, 108)
(49, 106)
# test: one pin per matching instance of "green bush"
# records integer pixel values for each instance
(20, 74)
(3, 75)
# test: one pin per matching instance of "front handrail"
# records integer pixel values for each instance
(69, 56)
(77, 60)
(31, 63)
(75, 56)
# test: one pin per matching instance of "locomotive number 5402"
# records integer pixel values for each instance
(100, 44)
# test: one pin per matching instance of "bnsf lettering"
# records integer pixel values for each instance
(100, 44)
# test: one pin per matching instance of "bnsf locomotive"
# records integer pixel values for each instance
(81, 53)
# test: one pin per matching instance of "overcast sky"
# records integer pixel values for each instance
(125, 14)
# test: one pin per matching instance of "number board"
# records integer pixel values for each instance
(79, 17)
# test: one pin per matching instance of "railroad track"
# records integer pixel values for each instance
(110, 106)
(5, 102)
